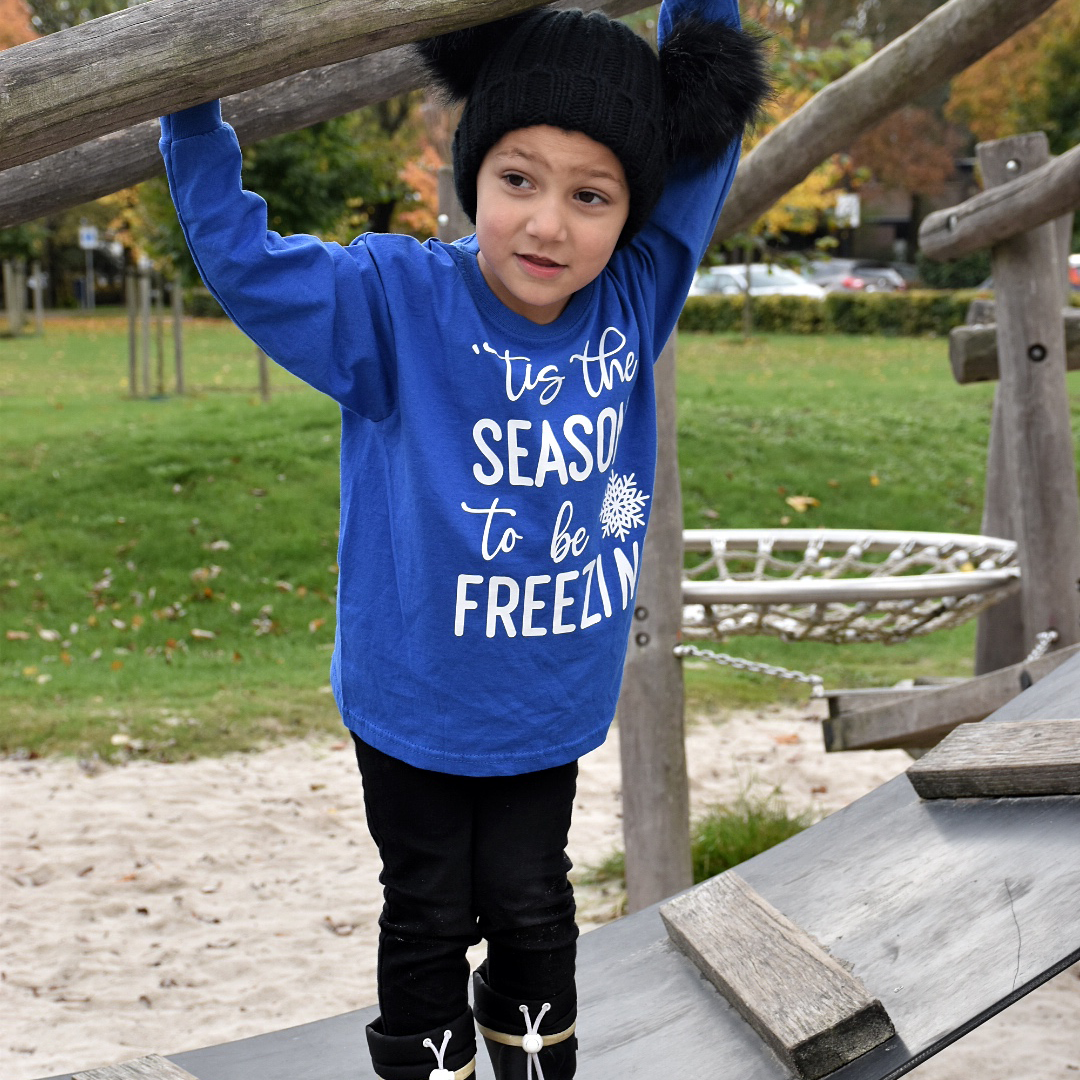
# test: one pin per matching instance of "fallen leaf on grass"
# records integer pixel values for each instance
(17, 635)
(874, 480)
(48, 635)
(202, 635)
(801, 503)
(316, 624)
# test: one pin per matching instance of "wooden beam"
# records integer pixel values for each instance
(973, 350)
(925, 717)
(814, 1013)
(151, 1067)
(1038, 477)
(652, 739)
(1034, 757)
(121, 159)
(946, 42)
(150, 59)
(1000, 212)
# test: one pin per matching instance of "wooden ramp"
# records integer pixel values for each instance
(947, 911)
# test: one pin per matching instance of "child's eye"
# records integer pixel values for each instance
(591, 198)
(516, 180)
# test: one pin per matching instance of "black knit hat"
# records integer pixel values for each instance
(592, 74)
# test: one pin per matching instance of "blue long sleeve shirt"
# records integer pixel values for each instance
(496, 474)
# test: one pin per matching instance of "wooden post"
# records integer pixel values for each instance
(264, 375)
(453, 221)
(131, 298)
(655, 790)
(177, 296)
(1031, 471)
(144, 320)
(158, 293)
(39, 298)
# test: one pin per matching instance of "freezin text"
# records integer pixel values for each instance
(545, 603)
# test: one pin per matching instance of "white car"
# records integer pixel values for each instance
(765, 280)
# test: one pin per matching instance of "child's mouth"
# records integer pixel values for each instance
(540, 265)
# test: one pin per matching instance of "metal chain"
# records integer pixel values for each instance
(816, 683)
(1043, 641)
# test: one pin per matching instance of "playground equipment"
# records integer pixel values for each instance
(887, 882)
(945, 912)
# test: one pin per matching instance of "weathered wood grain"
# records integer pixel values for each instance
(123, 158)
(150, 59)
(652, 741)
(925, 717)
(1034, 757)
(973, 350)
(151, 1067)
(927, 56)
(1000, 212)
(814, 1013)
(1038, 457)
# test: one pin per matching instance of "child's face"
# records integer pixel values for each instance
(550, 206)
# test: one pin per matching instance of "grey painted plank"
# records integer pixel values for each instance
(948, 911)
(816, 1015)
(1030, 757)
(926, 717)
(151, 1067)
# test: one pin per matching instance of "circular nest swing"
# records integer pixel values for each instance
(841, 585)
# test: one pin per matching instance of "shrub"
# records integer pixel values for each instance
(724, 837)
(199, 302)
(908, 314)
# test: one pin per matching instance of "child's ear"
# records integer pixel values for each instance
(455, 59)
(716, 78)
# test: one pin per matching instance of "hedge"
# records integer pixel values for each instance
(906, 314)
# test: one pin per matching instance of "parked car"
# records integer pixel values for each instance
(855, 275)
(765, 280)
(1074, 272)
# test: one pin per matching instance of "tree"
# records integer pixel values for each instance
(15, 25)
(48, 16)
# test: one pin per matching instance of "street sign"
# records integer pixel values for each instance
(88, 237)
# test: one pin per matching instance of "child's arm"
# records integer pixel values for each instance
(673, 242)
(317, 309)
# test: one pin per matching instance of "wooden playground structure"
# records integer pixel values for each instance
(870, 941)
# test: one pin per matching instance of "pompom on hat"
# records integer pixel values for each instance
(589, 73)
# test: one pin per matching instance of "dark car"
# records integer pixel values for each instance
(855, 275)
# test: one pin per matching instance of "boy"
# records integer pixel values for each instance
(497, 457)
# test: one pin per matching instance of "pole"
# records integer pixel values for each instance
(178, 332)
(131, 297)
(39, 298)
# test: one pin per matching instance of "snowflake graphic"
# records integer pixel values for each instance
(624, 506)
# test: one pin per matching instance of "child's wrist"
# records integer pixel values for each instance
(198, 120)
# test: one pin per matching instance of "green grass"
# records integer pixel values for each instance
(125, 525)
(721, 838)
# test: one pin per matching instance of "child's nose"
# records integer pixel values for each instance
(547, 221)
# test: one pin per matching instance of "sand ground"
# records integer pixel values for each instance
(155, 908)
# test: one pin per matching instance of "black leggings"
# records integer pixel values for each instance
(466, 857)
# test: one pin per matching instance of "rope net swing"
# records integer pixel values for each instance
(837, 585)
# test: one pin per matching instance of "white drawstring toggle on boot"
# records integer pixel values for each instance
(532, 1042)
(439, 1073)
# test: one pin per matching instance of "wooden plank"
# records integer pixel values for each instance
(124, 158)
(926, 717)
(652, 743)
(947, 41)
(815, 1014)
(973, 350)
(1039, 457)
(150, 59)
(1003, 211)
(151, 1067)
(1035, 757)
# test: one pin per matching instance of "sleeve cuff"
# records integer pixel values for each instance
(198, 120)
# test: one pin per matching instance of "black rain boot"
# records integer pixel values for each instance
(444, 1053)
(526, 1040)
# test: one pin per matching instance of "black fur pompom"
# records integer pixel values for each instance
(454, 59)
(716, 78)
